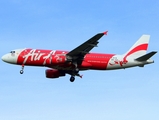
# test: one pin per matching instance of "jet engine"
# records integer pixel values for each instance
(52, 73)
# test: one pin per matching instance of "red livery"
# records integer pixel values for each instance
(62, 62)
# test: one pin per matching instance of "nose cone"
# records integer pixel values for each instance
(4, 58)
(9, 58)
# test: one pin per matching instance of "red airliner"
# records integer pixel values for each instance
(62, 62)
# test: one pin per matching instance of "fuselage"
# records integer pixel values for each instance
(56, 59)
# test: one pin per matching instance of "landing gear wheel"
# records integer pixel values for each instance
(21, 71)
(72, 79)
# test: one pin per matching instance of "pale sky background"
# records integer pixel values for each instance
(130, 94)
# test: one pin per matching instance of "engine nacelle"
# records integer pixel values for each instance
(51, 73)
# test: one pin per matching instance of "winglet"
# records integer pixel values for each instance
(105, 33)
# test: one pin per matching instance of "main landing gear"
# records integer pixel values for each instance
(72, 78)
(74, 73)
(22, 70)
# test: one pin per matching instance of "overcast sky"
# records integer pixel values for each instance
(130, 94)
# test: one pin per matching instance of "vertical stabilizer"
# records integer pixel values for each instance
(139, 48)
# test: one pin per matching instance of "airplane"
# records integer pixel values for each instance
(61, 62)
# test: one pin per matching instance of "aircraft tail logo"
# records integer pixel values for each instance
(139, 48)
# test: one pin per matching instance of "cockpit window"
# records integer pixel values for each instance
(12, 52)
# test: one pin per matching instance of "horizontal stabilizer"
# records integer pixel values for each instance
(146, 56)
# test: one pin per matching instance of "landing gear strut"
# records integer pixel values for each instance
(75, 72)
(72, 79)
(22, 70)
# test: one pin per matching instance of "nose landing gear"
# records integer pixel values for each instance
(22, 70)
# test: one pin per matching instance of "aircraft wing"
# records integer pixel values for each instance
(79, 52)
